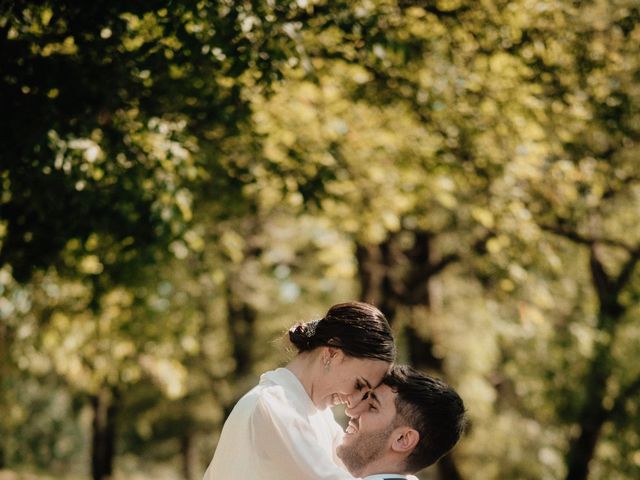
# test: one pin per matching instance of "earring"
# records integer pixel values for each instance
(327, 364)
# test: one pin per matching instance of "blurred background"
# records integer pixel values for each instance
(183, 180)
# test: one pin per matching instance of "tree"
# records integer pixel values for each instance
(99, 158)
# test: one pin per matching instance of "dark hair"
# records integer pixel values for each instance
(357, 328)
(431, 407)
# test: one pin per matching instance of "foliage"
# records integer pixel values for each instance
(182, 181)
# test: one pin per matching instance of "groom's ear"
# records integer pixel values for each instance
(405, 440)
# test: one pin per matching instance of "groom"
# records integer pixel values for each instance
(401, 427)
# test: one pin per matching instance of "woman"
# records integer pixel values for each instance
(282, 429)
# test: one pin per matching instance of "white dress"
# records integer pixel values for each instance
(275, 432)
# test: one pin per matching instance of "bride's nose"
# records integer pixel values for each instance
(355, 399)
(354, 410)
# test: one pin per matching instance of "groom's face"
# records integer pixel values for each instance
(368, 434)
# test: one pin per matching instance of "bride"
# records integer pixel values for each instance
(282, 429)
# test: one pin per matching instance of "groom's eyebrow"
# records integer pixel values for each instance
(372, 396)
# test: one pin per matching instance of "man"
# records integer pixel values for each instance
(403, 426)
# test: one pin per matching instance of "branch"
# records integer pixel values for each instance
(597, 269)
(443, 263)
(601, 280)
(586, 240)
(429, 7)
(631, 390)
(610, 192)
(627, 270)
(566, 233)
(480, 245)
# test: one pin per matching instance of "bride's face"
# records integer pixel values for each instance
(345, 379)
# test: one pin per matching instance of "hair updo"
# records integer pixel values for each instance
(357, 328)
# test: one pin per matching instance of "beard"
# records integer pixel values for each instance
(363, 450)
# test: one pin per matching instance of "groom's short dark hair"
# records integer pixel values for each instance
(432, 408)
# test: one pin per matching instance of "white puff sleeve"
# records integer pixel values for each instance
(287, 445)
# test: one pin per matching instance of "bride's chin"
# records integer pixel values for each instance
(330, 401)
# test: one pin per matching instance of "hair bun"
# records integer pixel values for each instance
(302, 335)
(358, 329)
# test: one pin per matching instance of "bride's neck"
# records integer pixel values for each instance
(302, 367)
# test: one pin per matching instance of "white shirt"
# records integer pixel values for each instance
(275, 432)
(387, 476)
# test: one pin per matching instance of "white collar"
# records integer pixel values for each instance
(384, 476)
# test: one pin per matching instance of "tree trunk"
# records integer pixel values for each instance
(592, 417)
(241, 319)
(448, 469)
(390, 278)
(593, 414)
(4, 388)
(189, 456)
(371, 273)
(417, 293)
(104, 433)
(424, 266)
(583, 446)
(420, 352)
(420, 271)
(378, 280)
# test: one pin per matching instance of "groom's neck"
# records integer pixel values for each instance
(381, 465)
